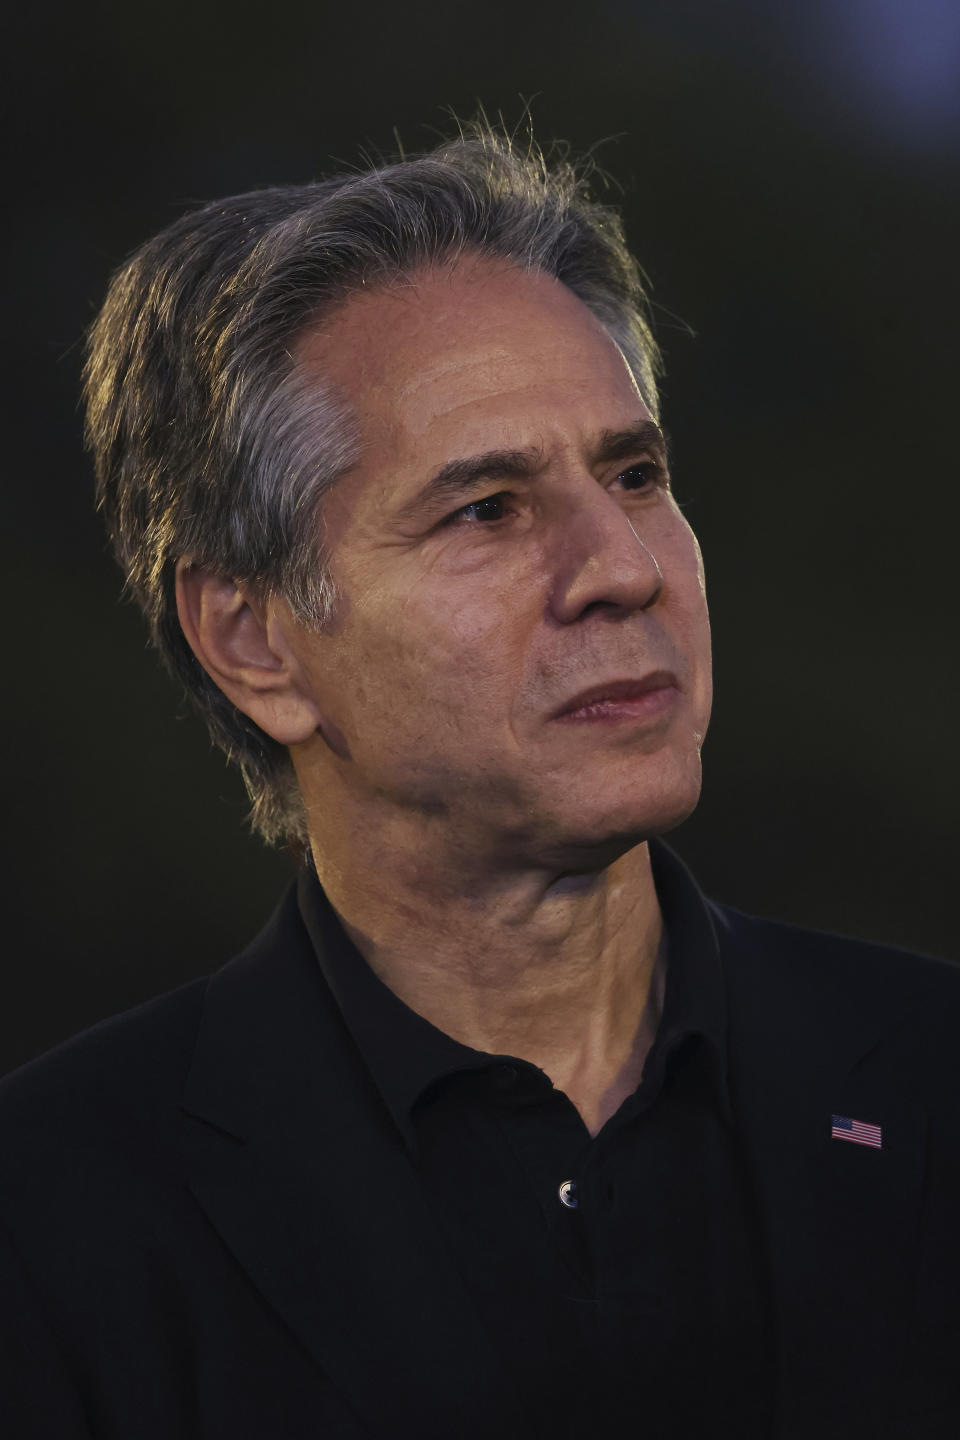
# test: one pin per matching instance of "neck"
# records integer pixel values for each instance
(553, 968)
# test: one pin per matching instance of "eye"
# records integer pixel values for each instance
(482, 512)
(645, 475)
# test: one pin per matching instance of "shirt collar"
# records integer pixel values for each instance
(405, 1054)
(695, 997)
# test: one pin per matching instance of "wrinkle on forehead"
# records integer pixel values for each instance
(478, 356)
(434, 322)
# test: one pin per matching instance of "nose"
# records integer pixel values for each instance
(600, 559)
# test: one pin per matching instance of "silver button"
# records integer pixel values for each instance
(568, 1194)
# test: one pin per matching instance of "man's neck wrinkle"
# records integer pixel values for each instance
(561, 981)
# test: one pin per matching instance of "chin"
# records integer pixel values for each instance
(657, 819)
(649, 799)
(597, 833)
(675, 804)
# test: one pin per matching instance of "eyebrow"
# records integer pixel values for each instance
(459, 477)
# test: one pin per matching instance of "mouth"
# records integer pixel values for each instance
(636, 699)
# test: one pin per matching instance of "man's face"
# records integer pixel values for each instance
(479, 603)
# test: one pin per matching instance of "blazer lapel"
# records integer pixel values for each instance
(295, 1161)
(840, 1219)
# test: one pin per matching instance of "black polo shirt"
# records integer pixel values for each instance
(619, 1275)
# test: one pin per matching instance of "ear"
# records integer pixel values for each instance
(241, 641)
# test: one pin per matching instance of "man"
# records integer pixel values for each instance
(498, 1127)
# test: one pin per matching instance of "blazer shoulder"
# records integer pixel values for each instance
(817, 968)
(105, 1080)
(122, 1063)
(754, 936)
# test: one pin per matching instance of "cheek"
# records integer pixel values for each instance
(701, 640)
(681, 563)
(701, 572)
(686, 601)
(681, 560)
(451, 651)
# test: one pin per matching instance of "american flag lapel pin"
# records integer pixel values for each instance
(858, 1132)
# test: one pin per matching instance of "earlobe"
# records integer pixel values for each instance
(241, 645)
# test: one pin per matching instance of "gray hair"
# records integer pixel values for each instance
(208, 441)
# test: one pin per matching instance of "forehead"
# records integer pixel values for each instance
(473, 355)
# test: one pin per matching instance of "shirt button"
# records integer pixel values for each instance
(568, 1194)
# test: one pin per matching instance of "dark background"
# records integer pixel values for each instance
(789, 180)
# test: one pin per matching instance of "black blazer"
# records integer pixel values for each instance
(210, 1228)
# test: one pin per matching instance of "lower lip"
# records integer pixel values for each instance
(638, 707)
